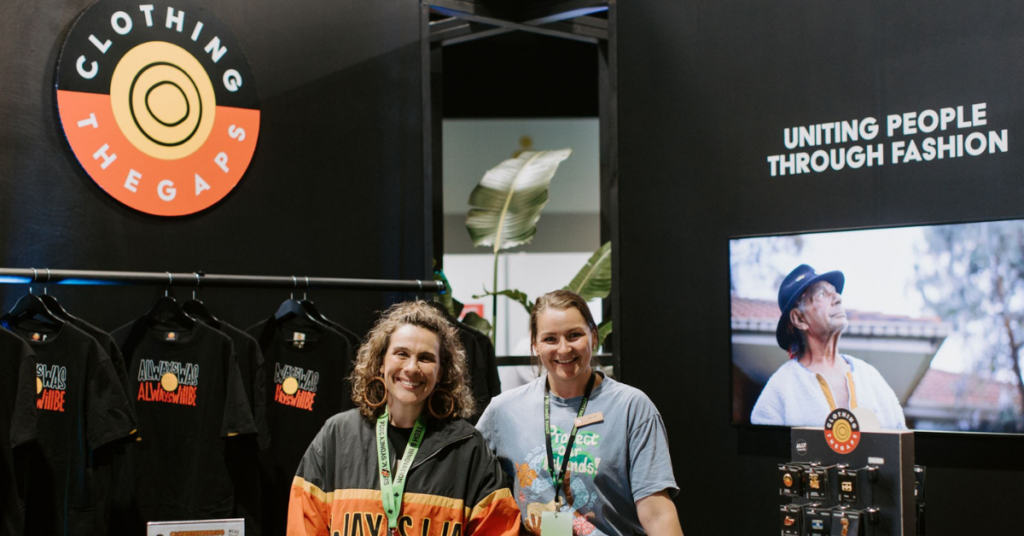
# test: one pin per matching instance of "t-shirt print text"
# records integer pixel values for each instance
(51, 383)
(295, 386)
(169, 382)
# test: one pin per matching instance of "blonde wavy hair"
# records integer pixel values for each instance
(370, 359)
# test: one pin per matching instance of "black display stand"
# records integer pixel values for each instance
(869, 491)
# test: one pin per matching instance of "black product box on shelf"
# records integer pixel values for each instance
(791, 520)
(847, 522)
(849, 486)
(791, 479)
(817, 521)
(817, 484)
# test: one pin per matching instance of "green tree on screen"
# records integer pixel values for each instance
(972, 276)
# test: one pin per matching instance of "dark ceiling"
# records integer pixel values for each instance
(520, 74)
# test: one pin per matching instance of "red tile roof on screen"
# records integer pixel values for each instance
(939, 388)
(750, 314)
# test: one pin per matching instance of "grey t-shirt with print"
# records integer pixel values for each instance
(614, 463)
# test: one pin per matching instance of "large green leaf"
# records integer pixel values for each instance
(507, 203)
(477, 322)
(516, 295)
(595, 279)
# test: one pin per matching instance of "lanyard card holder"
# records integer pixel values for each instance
(556, 523)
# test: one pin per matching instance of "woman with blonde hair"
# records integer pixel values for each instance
(588, 455)
(404, 461)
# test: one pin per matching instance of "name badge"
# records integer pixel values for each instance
(556, 524)
(589, 419)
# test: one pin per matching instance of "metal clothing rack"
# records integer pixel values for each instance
(26, 276)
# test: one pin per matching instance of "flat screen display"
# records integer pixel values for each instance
(922, 325)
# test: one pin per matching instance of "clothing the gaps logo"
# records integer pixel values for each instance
(170, 382)
(158, 104)
(842, 431)
(51, 385)
(295, 386)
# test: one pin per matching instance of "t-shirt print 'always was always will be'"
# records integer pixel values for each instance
(295, 386)
(170, 382)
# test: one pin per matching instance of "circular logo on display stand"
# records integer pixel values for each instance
(842, 432)
(158, 104)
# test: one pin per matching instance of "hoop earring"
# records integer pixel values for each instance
(383, 399)
(451, 405)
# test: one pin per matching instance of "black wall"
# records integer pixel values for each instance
(335, 188)
(706, 89)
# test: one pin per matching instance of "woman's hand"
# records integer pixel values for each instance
(658, 515)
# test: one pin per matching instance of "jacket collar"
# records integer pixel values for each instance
(442, 434)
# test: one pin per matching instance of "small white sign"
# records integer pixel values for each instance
(210, 527)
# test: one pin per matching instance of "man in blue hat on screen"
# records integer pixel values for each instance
(818, 379)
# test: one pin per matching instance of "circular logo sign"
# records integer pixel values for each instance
(842, 432)
(158, 104)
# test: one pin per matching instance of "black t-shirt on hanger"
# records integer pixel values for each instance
(482, 365)
(189, 397)
(110, 347)
(306, 367)
(17, 426)
(243, 458)
(108, 460)
(80, 406)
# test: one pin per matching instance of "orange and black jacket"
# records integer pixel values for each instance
(454, 488)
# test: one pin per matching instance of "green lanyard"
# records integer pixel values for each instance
(391, 491)
(559, 477)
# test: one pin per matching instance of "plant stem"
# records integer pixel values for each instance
(494, 303)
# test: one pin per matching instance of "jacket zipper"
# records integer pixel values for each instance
(418, 462)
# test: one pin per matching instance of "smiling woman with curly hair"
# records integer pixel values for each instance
(451, 396)
(404, 456)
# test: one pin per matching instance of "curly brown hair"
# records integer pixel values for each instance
(370, 359)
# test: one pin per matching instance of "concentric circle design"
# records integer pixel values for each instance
(158, 105)
(842, 431)
(165, 108)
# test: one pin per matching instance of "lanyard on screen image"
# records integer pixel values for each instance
(391, 491)
(560, 476)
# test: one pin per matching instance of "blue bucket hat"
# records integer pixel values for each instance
(792, 287)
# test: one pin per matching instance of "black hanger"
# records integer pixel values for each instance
(311, 309)
(31, 307)
(198, 310)
(53, 305)
(167, 310)
(291, 308)
(315, 313)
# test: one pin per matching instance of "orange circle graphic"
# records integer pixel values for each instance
(166, 122)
